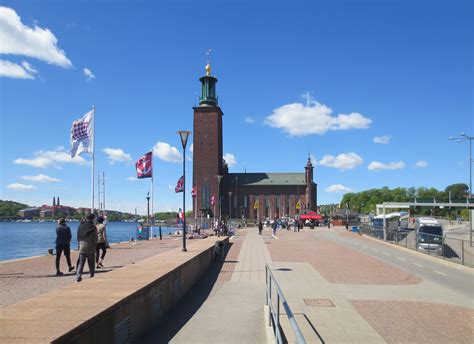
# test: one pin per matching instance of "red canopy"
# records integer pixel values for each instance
(311, 215)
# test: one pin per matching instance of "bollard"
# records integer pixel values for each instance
(161, 237)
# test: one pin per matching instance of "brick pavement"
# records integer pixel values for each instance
(336, 263)
(26, 278)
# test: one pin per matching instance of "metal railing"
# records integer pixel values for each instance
(445, 247)
(274, 309)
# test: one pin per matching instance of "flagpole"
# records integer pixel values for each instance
(152, 214)
(93, 156)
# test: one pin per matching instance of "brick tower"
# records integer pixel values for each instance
(207, 148)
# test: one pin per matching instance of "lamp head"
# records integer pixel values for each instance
(184, 134)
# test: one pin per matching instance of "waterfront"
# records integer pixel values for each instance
(27, 239)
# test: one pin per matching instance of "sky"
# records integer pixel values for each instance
(370, 90)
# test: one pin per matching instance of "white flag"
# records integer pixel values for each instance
(81, 135)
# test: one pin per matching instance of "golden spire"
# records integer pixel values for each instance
(208, 66)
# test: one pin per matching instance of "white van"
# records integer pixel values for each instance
(429, 235)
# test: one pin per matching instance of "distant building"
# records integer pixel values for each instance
(29, 213)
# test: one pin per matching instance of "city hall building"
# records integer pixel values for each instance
(254, 196)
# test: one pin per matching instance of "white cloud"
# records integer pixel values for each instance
(29, 67)
(344, 161)
(422, 163)
(12, 70)
(191, 148)
(53, 158)
(299, 119)
(88, 73)
(313, 159)
(167, 153)
(171, 187)
(116, 155)
(382, 139)
(338, 188)
(20, 187)
(230, 159)
(249, 120)
(41, 178)
(36, 42)
(132, 179)
(375, 166)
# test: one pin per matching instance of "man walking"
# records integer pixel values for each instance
(63, 242)
(87, 239)
(260, 227)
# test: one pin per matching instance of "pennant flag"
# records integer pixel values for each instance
(194, 191)
(298, 205)
(179, 185)
(256, 205)
(144, 166)
(213, 200)
(81, 135)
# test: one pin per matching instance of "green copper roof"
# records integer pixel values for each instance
(263, 179)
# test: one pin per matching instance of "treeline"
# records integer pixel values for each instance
(366, 201)
(10, 209)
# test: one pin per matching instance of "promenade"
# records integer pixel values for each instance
(342, 288)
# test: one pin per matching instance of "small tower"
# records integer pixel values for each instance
(311, 187)
(57, 201)
(309, 172)
(54, 201)
(208, 88)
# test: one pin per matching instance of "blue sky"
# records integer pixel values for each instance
(325, 77)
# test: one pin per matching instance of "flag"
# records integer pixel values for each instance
(179, 216)
(256, 205)
(194, 191)
(81, 135)
(298, 205)
(179, 185)
(213, 200)
(144, 166)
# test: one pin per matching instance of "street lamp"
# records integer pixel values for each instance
(183, 134)
(219, 177)
(464, 137)
(148, 207)
(230, 203)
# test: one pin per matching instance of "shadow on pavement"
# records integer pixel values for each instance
(189, 304)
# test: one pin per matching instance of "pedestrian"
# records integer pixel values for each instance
(260, 227)
(63, 244)
(102, 242)
(87, 239)
(329, 223)
(275, 226)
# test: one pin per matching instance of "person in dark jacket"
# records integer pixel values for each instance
(87, 239)
(260, 227)
(63, 244)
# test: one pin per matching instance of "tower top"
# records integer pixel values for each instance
(208, 89)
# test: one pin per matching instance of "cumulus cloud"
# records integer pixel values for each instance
(132, 179)
(116, 155)
(300, 119)
(344, 161)
(230, 159)
(20, 187)
(313, 159)
(41, 178)
(167, 153)
(12, 70)
(51, 158)
(36, 42)
(422, 163)
(249, 120)
(383, 140)
(88, 73)
(376, 166)
(338, 188)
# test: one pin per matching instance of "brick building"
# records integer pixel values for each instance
(250, 195)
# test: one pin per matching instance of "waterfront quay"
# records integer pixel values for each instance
(341, 287)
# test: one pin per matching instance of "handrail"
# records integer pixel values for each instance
(274, 315)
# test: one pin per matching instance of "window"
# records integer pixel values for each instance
(205, 196)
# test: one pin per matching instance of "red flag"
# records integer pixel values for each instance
(213, 200)
(179, 185)
(194, 191)
(144, 166)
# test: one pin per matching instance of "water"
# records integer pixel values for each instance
(26, 239)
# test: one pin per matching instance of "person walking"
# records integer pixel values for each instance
(260, 227)
(275, 226)
(87, 239)
(101, 242)
(63, 244)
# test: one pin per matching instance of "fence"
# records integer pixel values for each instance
(274, 309)
(452, 249)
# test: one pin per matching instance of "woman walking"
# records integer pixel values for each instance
(101, 242)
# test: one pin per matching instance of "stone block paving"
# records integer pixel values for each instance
(26, 278)
(336, 263)
(231, 261)
(418, 322)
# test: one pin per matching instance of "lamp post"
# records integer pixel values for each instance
(464, 137)
(148, 207)
(219, 177)
(184, 134)
(230, 204)
(236, 200)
